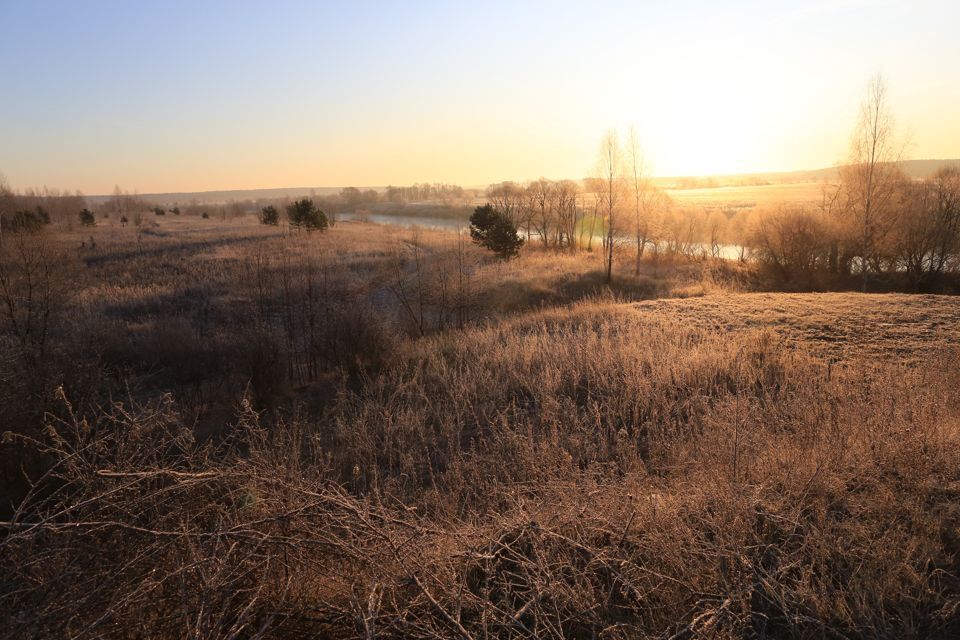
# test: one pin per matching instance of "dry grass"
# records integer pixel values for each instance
(749, 197)
(726, 466)
(896, 328)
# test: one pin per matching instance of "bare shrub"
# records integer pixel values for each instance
(793, 240)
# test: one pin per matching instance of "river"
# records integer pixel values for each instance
(727, 251)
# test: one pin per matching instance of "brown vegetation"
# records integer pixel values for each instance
(376, 432)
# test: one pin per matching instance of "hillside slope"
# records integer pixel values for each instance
(891, 327)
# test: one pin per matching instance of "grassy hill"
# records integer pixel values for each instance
(251, 428)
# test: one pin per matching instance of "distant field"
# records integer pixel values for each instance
(749, 196)
(840, 326)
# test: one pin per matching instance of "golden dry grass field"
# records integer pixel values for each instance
(892, 327)
(382, 432)
(746, 197)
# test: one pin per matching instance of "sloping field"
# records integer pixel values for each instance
(840, 326)
(746, 197)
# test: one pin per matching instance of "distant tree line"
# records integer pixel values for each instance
(912, 231)
(34, 209)
(351, 197)
(874, 224)
(420, 192)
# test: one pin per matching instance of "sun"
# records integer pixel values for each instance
(711, 128)
(709, 123)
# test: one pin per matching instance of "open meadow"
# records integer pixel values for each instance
(736, 197)
(240, 430)
(481, 321)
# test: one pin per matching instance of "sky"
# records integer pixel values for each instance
(230, 94)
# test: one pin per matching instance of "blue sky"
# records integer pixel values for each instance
(204, 95)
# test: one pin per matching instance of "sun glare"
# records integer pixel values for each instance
(708, 136)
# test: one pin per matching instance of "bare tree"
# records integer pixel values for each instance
(6, 195)
(565, 195)
(540, 196)
(738, 231)
(646, 197)
(118, 203)
(508, 199)
(792, 239)
(7, 201)
(927, 234)
(716, 227)
(873, 172)
(594, 191)
(610, 170)
(408, 281)
(946, 186)
(36, 283)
